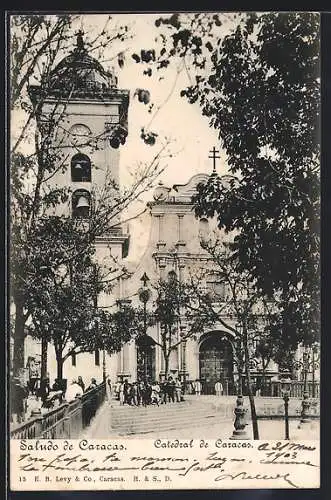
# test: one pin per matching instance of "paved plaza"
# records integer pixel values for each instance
(211, 425)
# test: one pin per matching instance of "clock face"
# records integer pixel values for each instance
(79, 134)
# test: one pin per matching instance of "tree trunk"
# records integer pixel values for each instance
(44, 346)
(263, 383)
(19, 338)
(59, 362)
(166, 366)
(249, 386)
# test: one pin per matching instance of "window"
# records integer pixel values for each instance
(73, 359)
(217, 290)
(81, 204)
(80, 168)
(97, 357)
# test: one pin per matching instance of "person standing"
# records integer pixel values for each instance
(74, 390)
(19, 394)
(108, 388)
(141, 391)
(178, 389)
(117, 389)
(171, 389)
(155, 393)
(92, 385)
(164, 392)
(219, 388)
(33, 374)
(126, 392)
(81, 383)
(121, 393)
(197, 387)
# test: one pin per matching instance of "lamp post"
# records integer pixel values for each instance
(305, 364)
(286, 390)
(104, 374)
(239, 411)
(182, 334)
(305, 368)
(314, 364)
(144, 296)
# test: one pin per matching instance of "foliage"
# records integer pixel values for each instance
(38, 154)
(170, 309)
(62, 296)
(257, 82)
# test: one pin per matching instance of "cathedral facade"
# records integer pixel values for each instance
(93, 108)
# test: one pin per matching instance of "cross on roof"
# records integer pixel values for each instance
(214, 157)
(144, 278)
(80, 40)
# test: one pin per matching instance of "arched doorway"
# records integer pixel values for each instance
(145, 358)
(216, 363)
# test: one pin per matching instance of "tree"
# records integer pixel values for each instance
(178, 322)
(62, 298)
(258, 85)
(38, 152)
(238, 306)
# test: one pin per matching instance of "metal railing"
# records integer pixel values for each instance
(297, 389)
(66, 421)
(270, 389)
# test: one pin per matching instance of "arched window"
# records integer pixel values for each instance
(81, 204)
(80, 168)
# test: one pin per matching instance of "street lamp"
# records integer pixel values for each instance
(144, 296)
(305, 364)
(239, 411)
(286, 390)
(305, 368)
(182, 334)
(315, 364)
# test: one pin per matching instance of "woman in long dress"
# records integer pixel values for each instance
(108, 389)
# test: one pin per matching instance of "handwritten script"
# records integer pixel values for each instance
(177, 464)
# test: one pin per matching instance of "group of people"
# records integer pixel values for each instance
(143, 393)
(35, 395)
(77, 388)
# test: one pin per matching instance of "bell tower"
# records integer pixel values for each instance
(83, 117)
(91, 124)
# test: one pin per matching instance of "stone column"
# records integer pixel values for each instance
(122, 359)
(119, 362)
(162, 266)
(162, 364)
(179, 227)
(160, 243)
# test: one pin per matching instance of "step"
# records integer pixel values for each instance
(151, 422)
(162, 416)
(141, 429)
(133, 420)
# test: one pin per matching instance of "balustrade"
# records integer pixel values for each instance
(65, 421)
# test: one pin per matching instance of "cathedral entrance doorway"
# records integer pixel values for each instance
(145, 358)
(216, 363)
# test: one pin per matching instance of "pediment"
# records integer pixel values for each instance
(184, 192)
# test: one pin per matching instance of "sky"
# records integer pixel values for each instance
(190, 134)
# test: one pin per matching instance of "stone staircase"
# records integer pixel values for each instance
(194, 412)
(127, 420)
